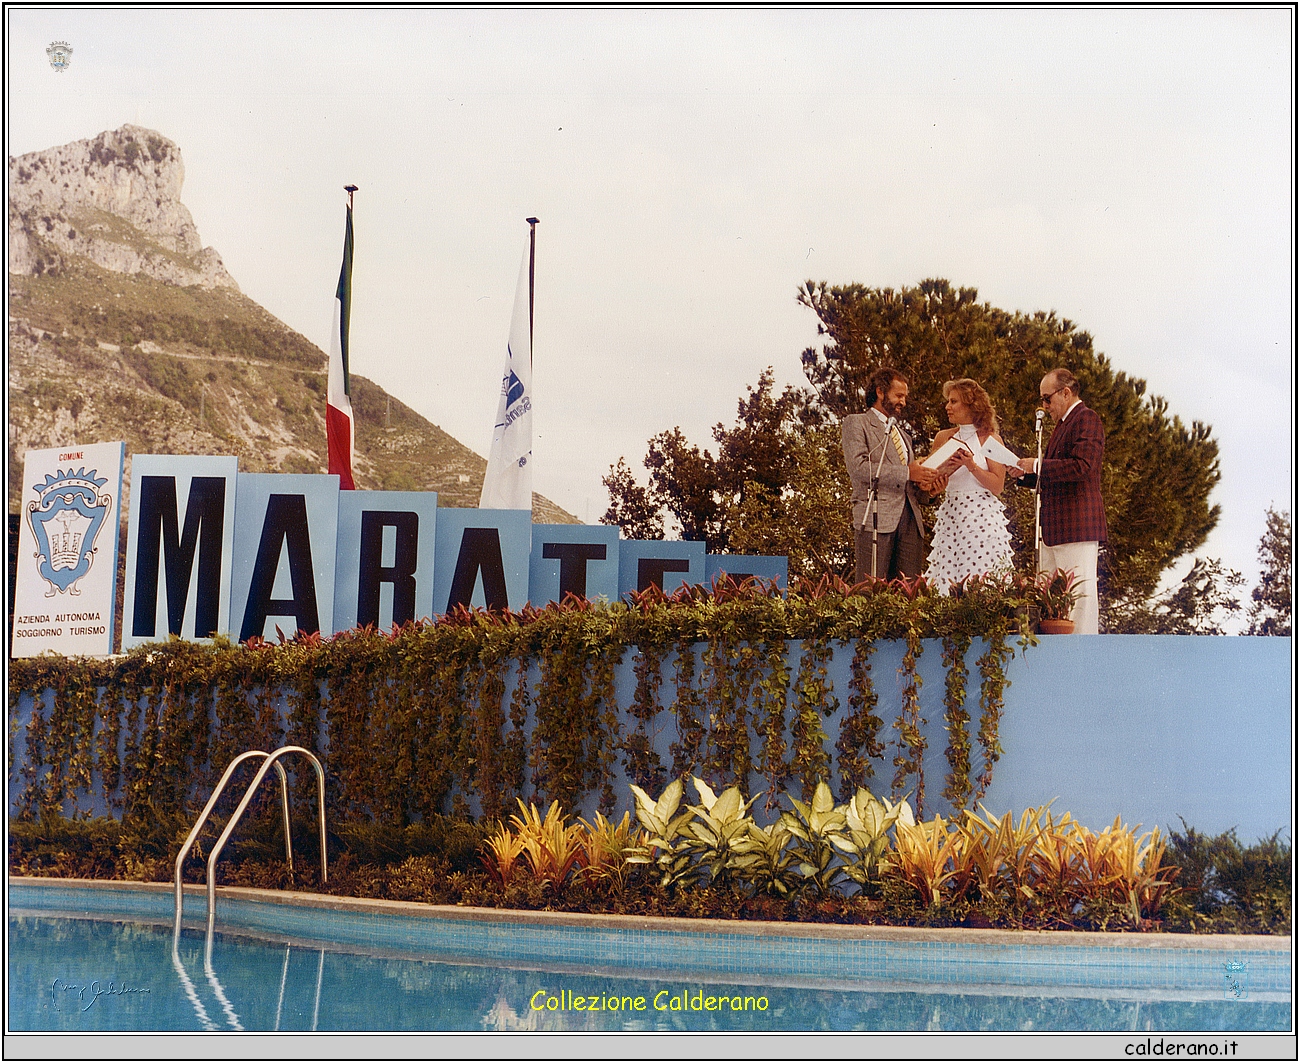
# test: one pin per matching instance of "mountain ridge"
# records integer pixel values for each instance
(123, 326)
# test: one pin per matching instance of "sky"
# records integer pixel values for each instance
(1132, 170)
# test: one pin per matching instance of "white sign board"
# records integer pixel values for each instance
(67, 550)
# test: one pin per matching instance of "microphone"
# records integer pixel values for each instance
(1038, 420)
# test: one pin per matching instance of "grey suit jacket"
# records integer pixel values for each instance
(864, 440)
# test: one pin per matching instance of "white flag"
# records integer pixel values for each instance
(509, 480)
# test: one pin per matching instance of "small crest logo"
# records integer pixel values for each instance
(66, 519)
(514, 389)
(60, 53)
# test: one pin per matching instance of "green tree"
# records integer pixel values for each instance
(1270, 611)
(1199, 605)
(757, 458)
(808, 519)
(632, 506)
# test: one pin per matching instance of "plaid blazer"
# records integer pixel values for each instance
(1070, 480)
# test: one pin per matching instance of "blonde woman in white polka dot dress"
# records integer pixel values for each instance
(971, 537)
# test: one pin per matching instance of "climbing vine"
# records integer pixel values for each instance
(480, 707)
(686, 710)
(993, 682)
(957, 786)
(813, 700)
(770, 721)
(910, 757)
(859, 741)
(641, 760)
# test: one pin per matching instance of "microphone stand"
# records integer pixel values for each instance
(875, 500)
(1038, 494)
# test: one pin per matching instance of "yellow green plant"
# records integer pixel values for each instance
(663, 821)
(929, 855)
(709, 841)
(500, 852)
(1052, 870)
(816, 829)
(606, 845)
(1057, 862)
(1098, 859)
(1140, 875)
(551, 848)
(999, 851)
(717, 834)
(763, 860)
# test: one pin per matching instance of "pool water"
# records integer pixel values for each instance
(84, 975)
(125, 973)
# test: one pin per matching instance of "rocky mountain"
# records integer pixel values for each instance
(123, 326)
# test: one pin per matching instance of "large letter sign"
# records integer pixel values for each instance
(384, 569)
(213, 552)
(666, 565)
(482, 559)
(740, 566)
(179, 544)
(285, 537)
(576, 559)
(67, 550)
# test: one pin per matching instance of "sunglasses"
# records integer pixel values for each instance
(1045, 399)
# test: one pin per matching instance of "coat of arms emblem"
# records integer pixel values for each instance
(60, 53)
(66, 519)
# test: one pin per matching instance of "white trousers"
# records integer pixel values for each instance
(1082, 558)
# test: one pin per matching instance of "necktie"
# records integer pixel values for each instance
(897, 440)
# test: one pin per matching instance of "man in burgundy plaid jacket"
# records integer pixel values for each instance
(1069, 478)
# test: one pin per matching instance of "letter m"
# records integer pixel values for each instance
(160, 539)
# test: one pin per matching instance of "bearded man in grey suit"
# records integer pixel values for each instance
(871, 441)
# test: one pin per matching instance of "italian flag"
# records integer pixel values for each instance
(338, 405)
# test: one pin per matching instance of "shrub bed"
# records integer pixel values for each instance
(866, 861)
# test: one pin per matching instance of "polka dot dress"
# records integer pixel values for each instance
(971, 537)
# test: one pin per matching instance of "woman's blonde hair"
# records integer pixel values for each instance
(974, 396)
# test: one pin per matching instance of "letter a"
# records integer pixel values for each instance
(480, 551)
(286, 521)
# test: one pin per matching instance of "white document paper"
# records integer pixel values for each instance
(995, 451)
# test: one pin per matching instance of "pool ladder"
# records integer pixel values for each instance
(270, 760)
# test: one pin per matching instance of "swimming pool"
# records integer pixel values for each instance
(102, 957)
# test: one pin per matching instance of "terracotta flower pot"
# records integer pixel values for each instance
(1056, 627)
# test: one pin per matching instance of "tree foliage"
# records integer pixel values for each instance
(781, 487)
(1270, 611)
(1199, 605)
(757, 459)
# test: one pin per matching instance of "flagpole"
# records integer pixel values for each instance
(532, 259)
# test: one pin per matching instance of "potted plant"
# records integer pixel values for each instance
(1055, 595)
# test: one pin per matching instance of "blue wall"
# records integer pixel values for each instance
(1153, 727)
(1148, 728)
